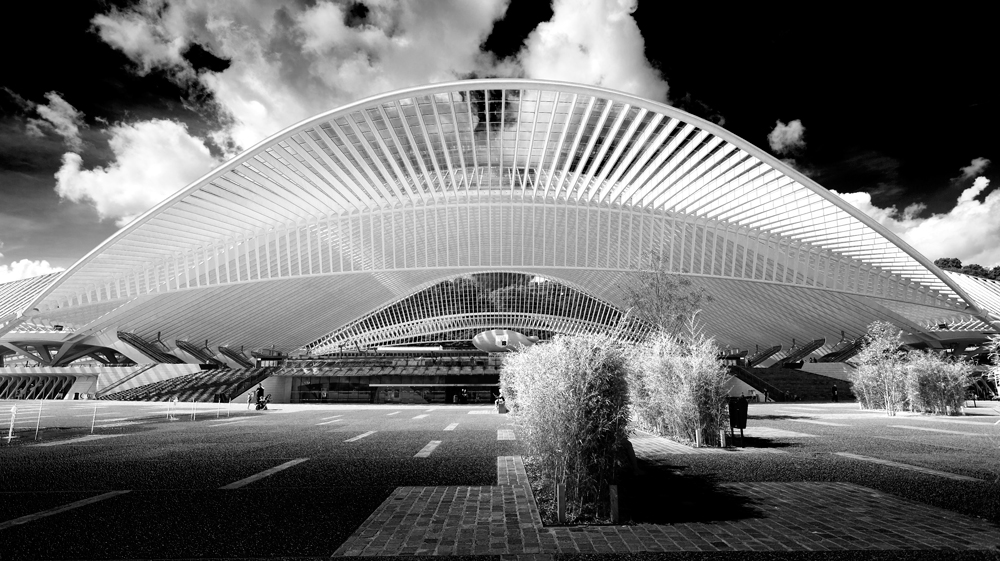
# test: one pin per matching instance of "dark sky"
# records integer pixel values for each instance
(893, 104)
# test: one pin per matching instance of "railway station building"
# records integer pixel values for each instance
(388, 249)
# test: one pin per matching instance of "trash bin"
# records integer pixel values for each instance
(738, 407)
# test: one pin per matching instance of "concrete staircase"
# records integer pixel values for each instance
(803, 386)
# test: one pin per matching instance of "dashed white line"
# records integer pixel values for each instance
(827, 423)
(328, 418)
(263, 474)
(420, 416)
(79, 440)
(329, 422)
(426, 450)
(938, 430)
(393, 413)
(451, 426)
(228, 423)
(58, 509)
(906, 466)
(360, 436)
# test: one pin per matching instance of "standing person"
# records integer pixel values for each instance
(260, 392)
(835, 400)
(249, 399)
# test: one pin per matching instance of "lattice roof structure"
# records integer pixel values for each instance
(361, 207)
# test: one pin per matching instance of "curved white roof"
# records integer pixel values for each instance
(355, 208)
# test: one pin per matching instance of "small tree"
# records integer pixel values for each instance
(935, 383)
(879, 381)
(678, 386)
(661, 299)
(569, 402)
(994, 372)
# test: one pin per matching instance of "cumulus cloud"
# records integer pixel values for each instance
(60, 117)
(593, 42)
(291, 61)
(24, 269)
(970, 231)
(153, 160)
(977, 167)
(145, 38)
(787, 138)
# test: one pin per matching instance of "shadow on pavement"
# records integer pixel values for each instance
(661, 493)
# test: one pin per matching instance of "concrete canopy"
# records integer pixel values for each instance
(354, 209)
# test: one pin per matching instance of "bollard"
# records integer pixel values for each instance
(38, 419)
(93, 420)
(697, 438)
(229, 407)
(10, 432)
(561, 503)
(614, 504)
(722, 438)
(194, 409)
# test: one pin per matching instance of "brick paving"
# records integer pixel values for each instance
(786, 516)
(654, 447)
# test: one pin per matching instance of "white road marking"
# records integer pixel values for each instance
(393, 413)
(115, 420)
(426, 450)
(483, 412)
(87, 438)
(228, 423)
(938, 430)
(827, 423)
(505, 434)
(768, 432)
(329, 422)
(360, 436)
(985, 423)
(263, 474)
(59, 509)
(420, 416)
(907, 466)
(451, 426)
(328, 418)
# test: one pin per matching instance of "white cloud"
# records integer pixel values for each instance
(970, 231)
(153, 160)
(785, 139)
(593, 42)
(59, 117)
(290, 62)
(147, 39)
(24, 269)
(977, 167)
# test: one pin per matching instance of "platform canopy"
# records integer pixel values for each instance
(353, 210)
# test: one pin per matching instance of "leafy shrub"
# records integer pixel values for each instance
(569, 402)
(879, 381)
(936, 384)
(678, 386)
(994, 348)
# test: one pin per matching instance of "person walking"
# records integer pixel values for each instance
(835, 400)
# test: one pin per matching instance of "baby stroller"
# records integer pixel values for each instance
(262, 403)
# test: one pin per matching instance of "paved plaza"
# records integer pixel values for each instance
(321, 481)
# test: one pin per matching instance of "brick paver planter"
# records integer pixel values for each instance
(789, 516)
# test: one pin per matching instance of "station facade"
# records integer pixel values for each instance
(428, 215)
